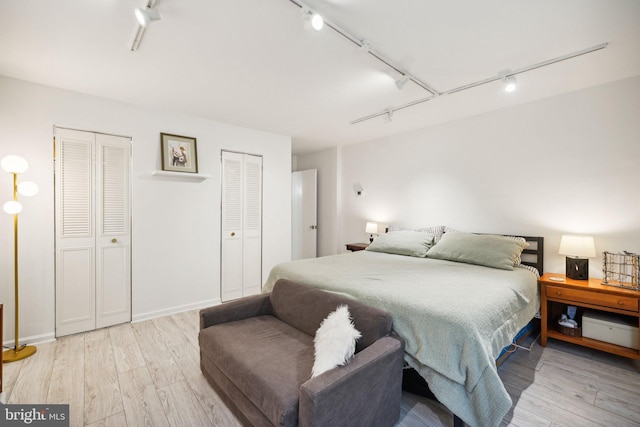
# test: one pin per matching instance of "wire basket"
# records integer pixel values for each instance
(572, 332)
(620, 269)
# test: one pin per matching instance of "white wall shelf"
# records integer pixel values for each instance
(181, 175)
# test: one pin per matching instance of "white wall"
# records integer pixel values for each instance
(176, 223)
(566, 164)
(562, 165)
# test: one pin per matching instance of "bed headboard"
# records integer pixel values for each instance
(534, 254)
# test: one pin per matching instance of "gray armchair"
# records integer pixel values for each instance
(257, 352)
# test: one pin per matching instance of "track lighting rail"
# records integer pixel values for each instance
(433, 93)
(362, 44)
(488, 80)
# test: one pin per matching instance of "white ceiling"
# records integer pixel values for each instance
(252, 63)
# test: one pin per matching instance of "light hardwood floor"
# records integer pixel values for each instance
(147, 374)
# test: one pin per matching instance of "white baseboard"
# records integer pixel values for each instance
(44, 338)
(173, 310)
(32, 340)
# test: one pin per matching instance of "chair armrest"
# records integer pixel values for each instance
(255, 305)
(367, 391)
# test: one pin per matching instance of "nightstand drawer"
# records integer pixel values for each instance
(596, 298)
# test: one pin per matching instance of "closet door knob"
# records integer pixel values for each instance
(114, 240)
(233, 234)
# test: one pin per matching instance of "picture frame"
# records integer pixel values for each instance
(179, 153)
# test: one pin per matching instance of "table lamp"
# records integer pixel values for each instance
(371, 228)
(578, 250)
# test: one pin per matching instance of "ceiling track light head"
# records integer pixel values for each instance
(510, 83)
(402, 81)
(317, 21)
(146, 15)
(312, 20)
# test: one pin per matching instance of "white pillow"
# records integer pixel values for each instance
(335, 341)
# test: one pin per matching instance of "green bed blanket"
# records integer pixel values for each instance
(455, 318)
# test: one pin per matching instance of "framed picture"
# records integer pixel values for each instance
(179, 153)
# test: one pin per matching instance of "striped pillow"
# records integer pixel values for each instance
(437, 231)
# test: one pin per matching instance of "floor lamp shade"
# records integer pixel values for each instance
(16, 165)
(578, 250)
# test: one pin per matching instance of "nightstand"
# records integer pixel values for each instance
(590, 294)
(355, 247)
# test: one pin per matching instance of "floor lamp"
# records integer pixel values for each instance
(16, 165)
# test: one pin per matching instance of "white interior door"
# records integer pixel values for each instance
(93, 231)
(241, 228)
(304, 214)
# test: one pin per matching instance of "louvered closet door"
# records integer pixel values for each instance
(75, 236)
(231, 250)
(113, 246)
(241, 249)
(252, 230)
(93, 243)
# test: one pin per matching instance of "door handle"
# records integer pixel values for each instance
(114, 240)
(233, 234)
(313, 227)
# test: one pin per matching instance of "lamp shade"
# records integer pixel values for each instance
(14, 164)
(577, 246)
(371, 228)
(28, 188)
(12, 207)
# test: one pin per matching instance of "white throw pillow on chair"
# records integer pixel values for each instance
(335, 341)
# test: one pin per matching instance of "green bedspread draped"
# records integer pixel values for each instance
(454, 317)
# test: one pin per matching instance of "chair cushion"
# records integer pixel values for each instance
(266, 359)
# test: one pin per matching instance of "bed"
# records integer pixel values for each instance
(455, 317)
